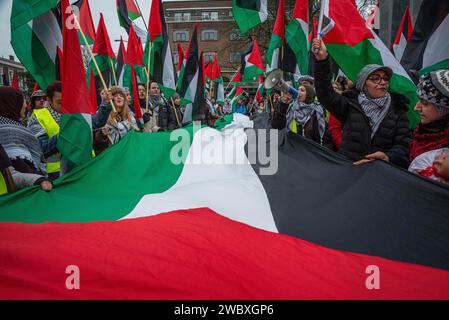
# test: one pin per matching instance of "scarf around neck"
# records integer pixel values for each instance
(375, 109)
(303, 112)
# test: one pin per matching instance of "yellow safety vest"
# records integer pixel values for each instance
(51, 128)
(3, 188)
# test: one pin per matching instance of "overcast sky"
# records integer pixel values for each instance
(107, 7)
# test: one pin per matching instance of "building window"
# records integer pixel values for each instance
(175, 58)
(235, 57)
(178, 16)
(209, 35)
(235, 35)
(230, 14)
(205, 15)
(180, 36)
(186, 16)
(214, 16)
(208, 57)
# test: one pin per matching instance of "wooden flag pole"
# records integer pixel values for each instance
(176, 114)
(92, 57)
(113, 71)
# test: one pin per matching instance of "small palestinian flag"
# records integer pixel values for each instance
(127, 12)
(403, 35)
(252, 64)
(274, 54)
(249, 14)
(86, 21)
(296, 35)
(428, 48)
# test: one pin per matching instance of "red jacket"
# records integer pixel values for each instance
(336, 130)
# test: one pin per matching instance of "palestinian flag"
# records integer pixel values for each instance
(217, 82)
(252, 64)
(403, 35)
(249, 14)
(274, 54)
(104, 55)
(191, 87)
(428, 48)
(122, 70)
(161, 60)
(296, 35)
(133, 58)
(35, 36)
(127, 12)
(237, 78)
(188, 228)
(260, 89)
(235, 94)
(75, 137)
(352, 45)
(15, 81)
(180, 59)
(85, 20)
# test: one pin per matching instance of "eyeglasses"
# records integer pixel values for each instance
(377, 79)
(40, 98)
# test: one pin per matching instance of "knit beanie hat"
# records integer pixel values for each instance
(367, 71)
(434, 87)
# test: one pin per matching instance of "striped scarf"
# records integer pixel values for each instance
(19, 142)
(375, 109)
(303, 112)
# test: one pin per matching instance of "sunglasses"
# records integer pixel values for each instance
(40, 98)
(378, 79)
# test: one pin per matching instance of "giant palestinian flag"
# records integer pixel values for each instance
(296, 35)
(353, 45)
(252, 65)
(249, 14)
(428, 48)
(274, 53)
(191, 85)
(35, 36)
(159, 59)
(403, 35)
(209, 218)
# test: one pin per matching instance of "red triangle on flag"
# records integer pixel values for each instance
(255, 58)
(102, 43)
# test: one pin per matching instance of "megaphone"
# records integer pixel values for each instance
(274, 80)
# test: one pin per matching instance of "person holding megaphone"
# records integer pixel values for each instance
(298, 110)
(375, 123)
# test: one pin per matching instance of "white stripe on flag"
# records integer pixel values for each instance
(203, 184)
(437, 49)
(47, 30)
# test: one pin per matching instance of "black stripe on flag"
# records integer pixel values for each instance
(376, 209)
(249, 4)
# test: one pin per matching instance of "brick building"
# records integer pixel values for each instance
(9, 66)
(217, 31)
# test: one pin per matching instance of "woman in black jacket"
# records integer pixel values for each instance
(375, 123)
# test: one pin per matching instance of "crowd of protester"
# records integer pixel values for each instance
(363, 121)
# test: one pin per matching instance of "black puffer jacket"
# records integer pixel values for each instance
(393, 136)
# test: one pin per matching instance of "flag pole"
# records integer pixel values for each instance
(92, 56)
(113, 71)
(148, 75)
(176, 113)
(320, 22)
(141, 15)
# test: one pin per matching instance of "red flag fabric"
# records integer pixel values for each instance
(86, 21)
(216, 73)
(133, 54)
(180, 56)
(279, 26)
(74, 91)
(36, 87)
(102, 44)
(155, 21)
(237, 77)
(208, 70)
(255, 58)
(137, 110)
(15, 82)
